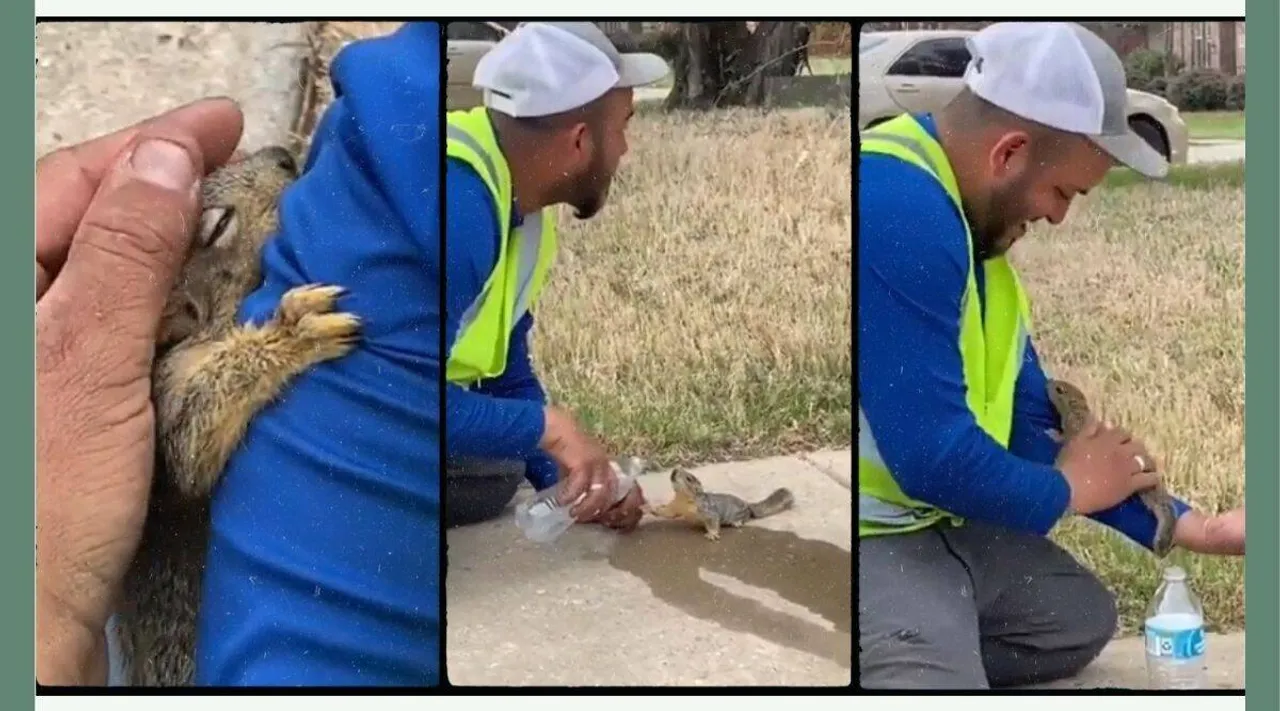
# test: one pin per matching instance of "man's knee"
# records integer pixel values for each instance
(478, 490)
(1072, 641)
(916, 658)
(1095, 618)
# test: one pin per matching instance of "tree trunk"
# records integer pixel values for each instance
(725, 64)
(1227, 62)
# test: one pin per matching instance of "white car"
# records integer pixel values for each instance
(922, 70)
(463, 55)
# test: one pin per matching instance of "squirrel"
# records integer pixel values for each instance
(1073, 409)
(691, 503)
(210, 377)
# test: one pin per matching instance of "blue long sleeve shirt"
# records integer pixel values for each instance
(323, 568)
(503, 417)
(912, 263)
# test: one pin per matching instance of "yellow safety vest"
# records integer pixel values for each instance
(991, 353)
(525, 255)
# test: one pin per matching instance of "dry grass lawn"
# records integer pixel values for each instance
(1139, 298)
(706, 312)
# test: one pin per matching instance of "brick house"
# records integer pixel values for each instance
(1212, 45)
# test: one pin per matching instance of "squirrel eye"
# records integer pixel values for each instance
(214, 223)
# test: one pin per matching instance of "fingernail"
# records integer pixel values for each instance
(165, 164)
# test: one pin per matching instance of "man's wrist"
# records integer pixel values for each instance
(1190, 532)
(553, 425)
(69, 652)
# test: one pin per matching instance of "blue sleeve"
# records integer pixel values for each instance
(911, 276)
(1033, 415)
(478, 425)
(324, 555)
(520, 382)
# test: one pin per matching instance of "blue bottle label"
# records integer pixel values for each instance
(1177, 645)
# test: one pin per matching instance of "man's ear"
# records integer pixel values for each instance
(1010, 154)
(582, 143)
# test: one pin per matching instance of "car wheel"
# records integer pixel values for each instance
(1151, 133)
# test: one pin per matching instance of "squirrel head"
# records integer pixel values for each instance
(684, 481)
(239, 215)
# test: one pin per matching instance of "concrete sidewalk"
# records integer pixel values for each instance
(768, 604)
(1122, 665)
(96, 77)
(1215, 151)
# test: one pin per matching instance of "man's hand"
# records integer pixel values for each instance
(114, 218)
(1218, 535)
(1103, 466)
(626, 514)
(584, 463)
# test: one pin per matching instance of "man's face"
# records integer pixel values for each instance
(1024, 182)
(601, 147)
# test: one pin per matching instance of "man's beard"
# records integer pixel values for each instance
(588, 191)
(996, 232)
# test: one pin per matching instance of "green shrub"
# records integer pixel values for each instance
(1235, 93)
(1144, 65)
(1199, 90)
(1158, 86)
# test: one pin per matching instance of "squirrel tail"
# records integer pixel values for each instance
(777, 502)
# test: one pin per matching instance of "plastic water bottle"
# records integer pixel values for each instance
(541, 517)
(1175, 635)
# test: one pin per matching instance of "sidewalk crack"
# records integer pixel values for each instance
(828, 471)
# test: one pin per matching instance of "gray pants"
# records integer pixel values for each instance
(477, 490)
(975, 607)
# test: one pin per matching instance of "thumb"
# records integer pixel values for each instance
(131, 244)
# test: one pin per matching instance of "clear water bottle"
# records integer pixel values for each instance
(1175, 635)
(541, 517)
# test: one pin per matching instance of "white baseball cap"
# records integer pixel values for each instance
(544, 68)
(1063, 76)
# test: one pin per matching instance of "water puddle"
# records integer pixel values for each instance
(792, 591)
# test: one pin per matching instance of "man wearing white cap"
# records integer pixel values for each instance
(557, 101)
(958, 478)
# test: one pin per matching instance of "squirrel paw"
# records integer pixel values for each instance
(305, 313)
(308, 299)
(713, 535)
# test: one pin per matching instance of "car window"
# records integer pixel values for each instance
(867, 43)
(471, 31)
(944, 57)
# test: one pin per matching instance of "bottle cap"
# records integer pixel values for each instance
(1174, 574)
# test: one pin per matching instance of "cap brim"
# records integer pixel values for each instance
(1132, 150)
(641, 70)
